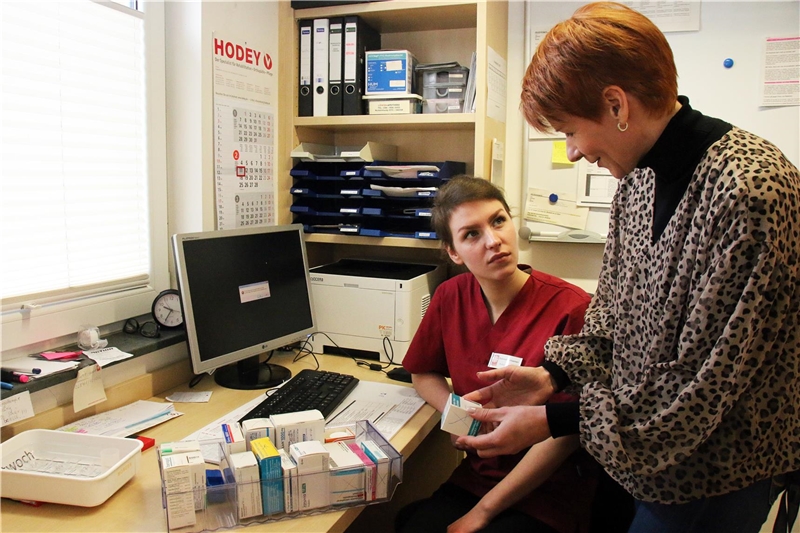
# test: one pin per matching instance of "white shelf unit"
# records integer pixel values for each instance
(434, 32)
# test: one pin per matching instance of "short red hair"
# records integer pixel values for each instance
(602, 44)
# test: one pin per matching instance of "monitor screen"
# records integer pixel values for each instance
(244, 292)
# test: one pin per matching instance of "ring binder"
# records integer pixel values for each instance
(305, 101)
(320, 62)
(336, 56)
(358, 38)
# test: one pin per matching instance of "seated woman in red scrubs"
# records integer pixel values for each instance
(508, 310)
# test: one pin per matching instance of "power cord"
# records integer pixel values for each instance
(377, 367)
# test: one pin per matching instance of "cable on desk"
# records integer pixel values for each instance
(360, 362)
(305, 350)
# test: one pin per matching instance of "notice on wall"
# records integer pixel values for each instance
(670, 15)
(781, 72)
(245, 91)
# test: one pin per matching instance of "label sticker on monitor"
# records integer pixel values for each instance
(254, 291)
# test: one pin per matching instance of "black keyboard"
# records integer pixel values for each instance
(309, 389)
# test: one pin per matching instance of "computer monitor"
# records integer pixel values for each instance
(244, 292)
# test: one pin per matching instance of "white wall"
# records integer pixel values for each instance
(728, 29)
(190, 28)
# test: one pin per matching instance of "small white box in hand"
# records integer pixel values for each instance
(301, 426)
(248, 487)
(455, 418)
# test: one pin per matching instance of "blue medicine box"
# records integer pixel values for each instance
(390, 72)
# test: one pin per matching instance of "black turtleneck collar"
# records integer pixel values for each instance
(675, 155)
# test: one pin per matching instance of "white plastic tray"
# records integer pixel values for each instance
(69, 468)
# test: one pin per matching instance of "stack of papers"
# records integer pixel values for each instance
(403, 191)
(124, 421)
(369, 152)
(402, 171)
(26, 365)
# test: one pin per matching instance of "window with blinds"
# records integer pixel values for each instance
(74, 214)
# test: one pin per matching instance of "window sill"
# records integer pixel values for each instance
(125, 342)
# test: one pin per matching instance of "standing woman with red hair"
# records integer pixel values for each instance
(688, 365)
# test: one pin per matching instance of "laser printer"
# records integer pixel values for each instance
(370, 309)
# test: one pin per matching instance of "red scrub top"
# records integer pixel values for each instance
(456, 338)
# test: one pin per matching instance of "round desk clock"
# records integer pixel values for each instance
(167, 309)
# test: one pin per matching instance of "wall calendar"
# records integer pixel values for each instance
(244, 135)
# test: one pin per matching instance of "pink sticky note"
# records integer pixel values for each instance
(52, 356)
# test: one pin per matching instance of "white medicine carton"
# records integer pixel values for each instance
(291, 493)
(301, 426)
(382, 467)
(313, 462)
(347, 483)
(257, 428)
(233, 438)
(184, 483)
(248, 487)
(455, 418)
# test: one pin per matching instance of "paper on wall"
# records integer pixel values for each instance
(563, 212)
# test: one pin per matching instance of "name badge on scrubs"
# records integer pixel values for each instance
(500, 360)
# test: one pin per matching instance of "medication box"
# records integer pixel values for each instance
(245, 471)
(257, 428)
(383, 467)
(390, 72)
(311, 458)
(455, 419)
(347, 474)
(297, 427)
(269, 465)
(68, 468)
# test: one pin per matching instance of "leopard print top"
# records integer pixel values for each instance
(689, 361)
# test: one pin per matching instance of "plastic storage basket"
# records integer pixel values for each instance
(69, 468)
(219, 506)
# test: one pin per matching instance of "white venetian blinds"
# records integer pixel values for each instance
(73, 196)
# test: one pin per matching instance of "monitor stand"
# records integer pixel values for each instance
(250, 374)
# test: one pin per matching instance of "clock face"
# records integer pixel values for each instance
(167, 309)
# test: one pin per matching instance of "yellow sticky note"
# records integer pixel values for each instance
(560, 153)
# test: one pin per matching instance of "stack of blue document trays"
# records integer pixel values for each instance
(378, 199)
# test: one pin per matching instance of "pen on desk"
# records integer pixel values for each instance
(5, 385)
(24, 373)
(9, 376)
(342, 411)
